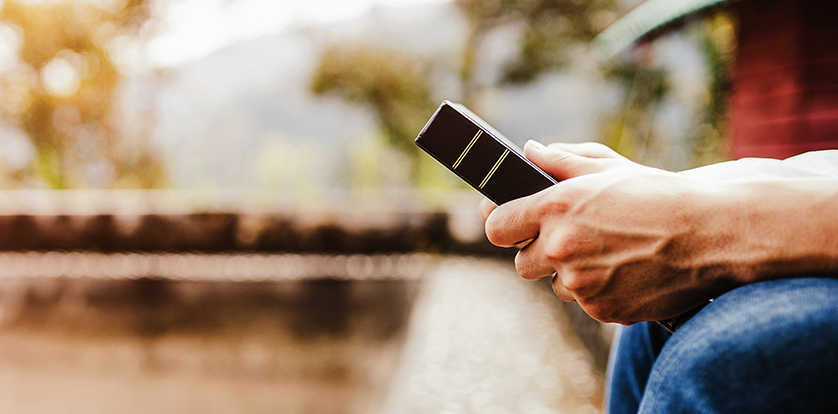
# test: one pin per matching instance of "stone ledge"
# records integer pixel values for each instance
(214, 267)
(212, 222)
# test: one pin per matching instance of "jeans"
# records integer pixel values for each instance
(770, 347)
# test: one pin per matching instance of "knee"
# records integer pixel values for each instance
(770, 342)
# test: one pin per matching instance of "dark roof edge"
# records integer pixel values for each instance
(645, 19)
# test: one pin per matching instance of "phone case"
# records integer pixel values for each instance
(480, 155)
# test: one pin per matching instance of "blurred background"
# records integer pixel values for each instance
(217, 206)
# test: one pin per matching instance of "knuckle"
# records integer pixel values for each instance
(572, 281)
(558, 247)
(561, 292)
(556, 251)
(551, 202)
(571, 243)
(600, 311)
(527, 268)
(494, 232)
(521, 266)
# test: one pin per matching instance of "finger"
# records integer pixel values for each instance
(587, 149)
(562, 164)
(560, 291)
(523, 244)
(531, 264)
(512, 223)
(485, 208)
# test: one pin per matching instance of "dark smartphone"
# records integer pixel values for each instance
(480, 155)
(490, 163)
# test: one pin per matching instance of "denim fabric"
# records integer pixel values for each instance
(633, 352)
(770, 347)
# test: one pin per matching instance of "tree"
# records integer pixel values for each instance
(549, 30)
(60, 91)
(550, 26)
(388, 82)
(396, 88)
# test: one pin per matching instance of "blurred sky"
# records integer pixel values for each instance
(195, 28)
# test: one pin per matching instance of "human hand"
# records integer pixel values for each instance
(627, 242)
(583, 149)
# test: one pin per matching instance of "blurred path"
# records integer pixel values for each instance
(245, 333)
(482, 340)
(196, 333)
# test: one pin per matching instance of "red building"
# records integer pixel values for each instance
(785, 74)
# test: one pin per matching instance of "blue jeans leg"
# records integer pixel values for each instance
(770, 347)
(633, 353)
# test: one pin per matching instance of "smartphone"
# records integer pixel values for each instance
(491, 163)
(480, 155)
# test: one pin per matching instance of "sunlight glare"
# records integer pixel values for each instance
(196, 28)
(60, 78)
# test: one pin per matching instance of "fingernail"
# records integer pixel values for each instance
(535, 145)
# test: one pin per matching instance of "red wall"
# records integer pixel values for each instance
(785, 80)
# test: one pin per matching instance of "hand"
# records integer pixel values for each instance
(632, 243)
(584, 149)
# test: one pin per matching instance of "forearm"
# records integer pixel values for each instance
(632, 243)
(781, 228)
(783, 217)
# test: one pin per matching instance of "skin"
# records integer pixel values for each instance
(631, 243)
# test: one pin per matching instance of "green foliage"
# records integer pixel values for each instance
(396, 89)
(631, 131)
(549, 27)
(717, 39)
(542, 49)
(61, 91)
(389, 82)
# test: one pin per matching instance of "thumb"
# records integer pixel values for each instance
(562, 164)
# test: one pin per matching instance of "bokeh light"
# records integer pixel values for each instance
(218, 205)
